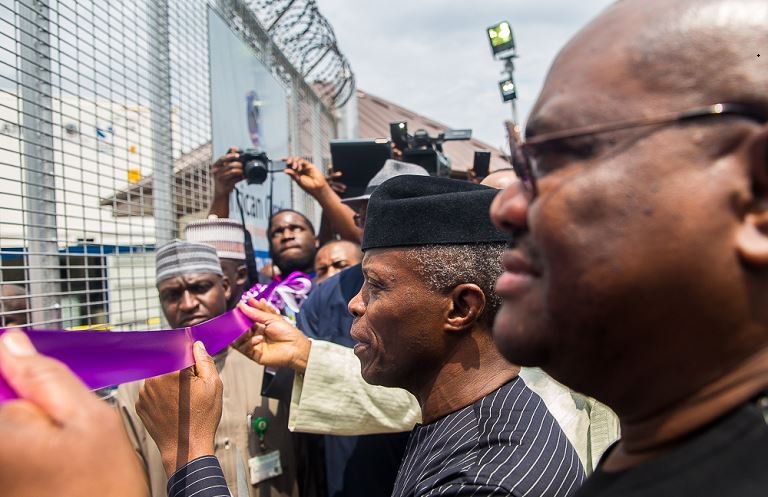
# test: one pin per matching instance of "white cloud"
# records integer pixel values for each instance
(432, 56)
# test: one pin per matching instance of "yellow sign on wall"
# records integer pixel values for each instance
(134, 175)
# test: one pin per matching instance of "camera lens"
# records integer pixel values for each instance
(255, 165)
(255, 172)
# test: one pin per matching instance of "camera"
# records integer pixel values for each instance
(255, 165)
(424, 150)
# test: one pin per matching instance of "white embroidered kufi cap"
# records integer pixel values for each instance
(225, 235)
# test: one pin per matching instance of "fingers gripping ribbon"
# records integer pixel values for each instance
(105, 358)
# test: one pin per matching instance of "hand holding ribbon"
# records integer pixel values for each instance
(105, 358)
(273, 341)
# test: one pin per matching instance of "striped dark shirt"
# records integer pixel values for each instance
(201, 477)
(506, 443)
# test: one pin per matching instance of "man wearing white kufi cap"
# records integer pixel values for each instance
(226, 236)
(193, 288)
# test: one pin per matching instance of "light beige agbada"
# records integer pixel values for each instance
(332, 398)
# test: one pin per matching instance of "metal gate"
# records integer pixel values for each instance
(105, 140)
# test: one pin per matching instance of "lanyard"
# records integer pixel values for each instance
(260, 425)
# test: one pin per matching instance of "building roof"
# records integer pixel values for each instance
(375, 113)
(192, 190)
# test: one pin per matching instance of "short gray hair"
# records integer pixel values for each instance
(444, 267)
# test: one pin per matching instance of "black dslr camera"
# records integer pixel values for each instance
(255, 165)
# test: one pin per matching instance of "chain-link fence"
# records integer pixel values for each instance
(105, 142)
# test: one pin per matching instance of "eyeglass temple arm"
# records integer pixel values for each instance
(711, 110)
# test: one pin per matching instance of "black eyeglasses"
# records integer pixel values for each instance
(525, 164)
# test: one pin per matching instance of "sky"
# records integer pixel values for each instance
(433, 56)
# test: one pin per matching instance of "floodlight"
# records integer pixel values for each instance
(508, 90)
(500, 36)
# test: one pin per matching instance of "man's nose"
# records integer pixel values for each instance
(356, 306)
(509, 210)
(188, 301)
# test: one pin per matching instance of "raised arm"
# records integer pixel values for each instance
(313, 181)
(227, 171)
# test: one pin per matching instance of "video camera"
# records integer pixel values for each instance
(424, 150)
(256, 165)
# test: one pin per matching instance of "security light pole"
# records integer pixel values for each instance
(503, 48)
(509, 69)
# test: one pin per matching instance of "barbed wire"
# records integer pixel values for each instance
(307, 39)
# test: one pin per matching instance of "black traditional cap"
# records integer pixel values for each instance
(423, 210)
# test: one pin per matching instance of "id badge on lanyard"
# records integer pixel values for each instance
(267, 464)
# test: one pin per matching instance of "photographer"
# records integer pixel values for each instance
(228, 171)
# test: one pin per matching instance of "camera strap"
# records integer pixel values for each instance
(250, 256)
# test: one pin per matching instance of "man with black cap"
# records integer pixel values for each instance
(422, 322)
(324, 315)
(353, 464)
(330, 397)
(193, 289)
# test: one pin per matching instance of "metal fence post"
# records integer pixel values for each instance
(105, 121)
(161, 122)
(317, 135)
(39, 172)
(294, 108)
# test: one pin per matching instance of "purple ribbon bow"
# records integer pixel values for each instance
(105, 358)
(288, 292)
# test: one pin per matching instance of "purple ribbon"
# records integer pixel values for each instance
(104, 358)
(288, 292)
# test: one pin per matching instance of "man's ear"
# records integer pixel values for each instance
(467, 302)
(242, 275)
(752, 236)
(227, 287)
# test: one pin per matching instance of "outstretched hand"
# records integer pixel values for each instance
(334, 180)
(272, 341)
(182, 410)
(306, 175)
(227, 172)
